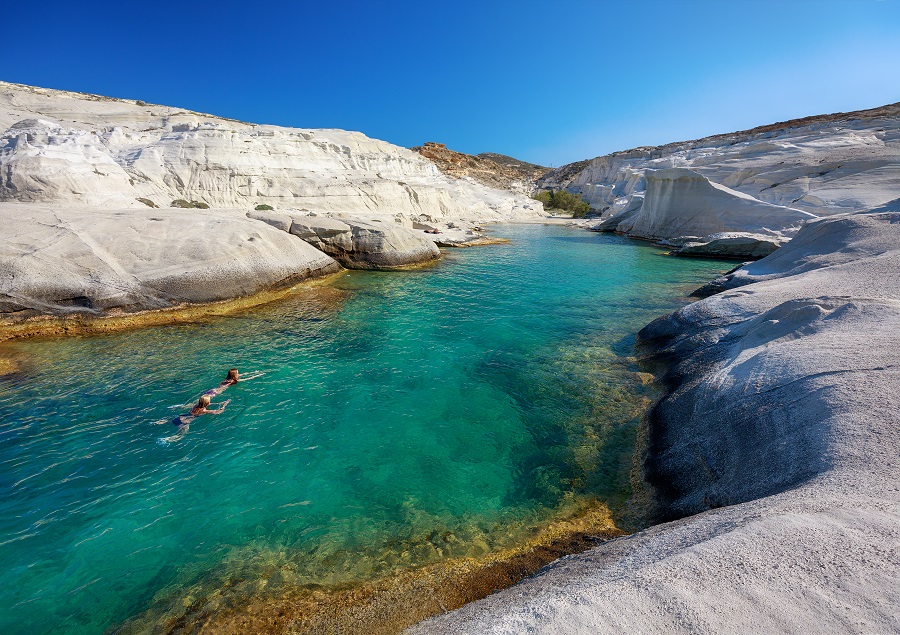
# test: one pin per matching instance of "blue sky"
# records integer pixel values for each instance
(548, 82)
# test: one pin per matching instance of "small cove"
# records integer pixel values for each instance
(404, 419)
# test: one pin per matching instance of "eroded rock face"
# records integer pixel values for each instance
(85, 150)
(730, 245)
(821, 165)
(778, 432)
(357, 244)
(681, 202)
(61, 261)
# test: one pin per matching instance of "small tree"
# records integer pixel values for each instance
(566, 201)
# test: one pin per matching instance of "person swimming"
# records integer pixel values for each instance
(231, 379)
(202, 407)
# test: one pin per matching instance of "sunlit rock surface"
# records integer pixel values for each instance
(62, 260)
(103, 166)
(357, 244)
(778, 432)
(822, 165)
(70, 148)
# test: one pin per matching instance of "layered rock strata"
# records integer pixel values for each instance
(820, 165)
(777, 432)
(86, 150)
(117, 205)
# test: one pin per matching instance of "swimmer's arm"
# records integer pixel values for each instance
(220, 410)
(251, 376)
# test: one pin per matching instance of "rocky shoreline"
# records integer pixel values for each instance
(771, 460)
(158, 266)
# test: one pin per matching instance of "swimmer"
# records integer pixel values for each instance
(231, 379)
(183, 422)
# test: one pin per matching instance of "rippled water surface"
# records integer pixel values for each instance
(403, 418)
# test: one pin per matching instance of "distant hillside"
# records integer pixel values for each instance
(487, 168)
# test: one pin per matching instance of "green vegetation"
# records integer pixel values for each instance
(263, 208)
(180, 202)
(147, 202)
(563, 200)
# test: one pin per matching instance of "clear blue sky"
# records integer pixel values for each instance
(549, 82)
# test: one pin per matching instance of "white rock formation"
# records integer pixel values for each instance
(779, 431)
(88, 244)
(685, 203)
(60, 260)
(820, 165)
(357, 244)
(70, 148)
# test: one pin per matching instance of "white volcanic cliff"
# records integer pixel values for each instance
(820, 165)
(85, 150)
(81, 176)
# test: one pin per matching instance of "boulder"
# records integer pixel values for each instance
(730, 245)
(365, 244)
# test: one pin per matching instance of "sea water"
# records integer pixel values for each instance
(466, 401)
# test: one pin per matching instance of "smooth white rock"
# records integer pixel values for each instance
(365, 245)
(681, 202)
(60, 260)
(781, 416)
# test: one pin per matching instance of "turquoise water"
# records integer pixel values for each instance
(403, 418)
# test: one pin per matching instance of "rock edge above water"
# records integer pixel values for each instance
(778, 432)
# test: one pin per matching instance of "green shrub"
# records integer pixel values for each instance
(147, 202)
(563, 200)
(180, 202)
(263, 208)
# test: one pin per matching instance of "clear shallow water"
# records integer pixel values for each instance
(403, 418)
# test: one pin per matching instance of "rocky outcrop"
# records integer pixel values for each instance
(777, 431)
(105, 205)
(492, 170)
(84, 150)
(684, 203)
(821, 165)
(60, 261)
(374, 244)
(728, 245)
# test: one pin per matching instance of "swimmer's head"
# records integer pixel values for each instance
(204, 401)
(232, 375)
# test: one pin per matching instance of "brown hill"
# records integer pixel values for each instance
(493, 170)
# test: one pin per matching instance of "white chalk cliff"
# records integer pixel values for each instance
(80, 176)
(751, 184)
(62, 147)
